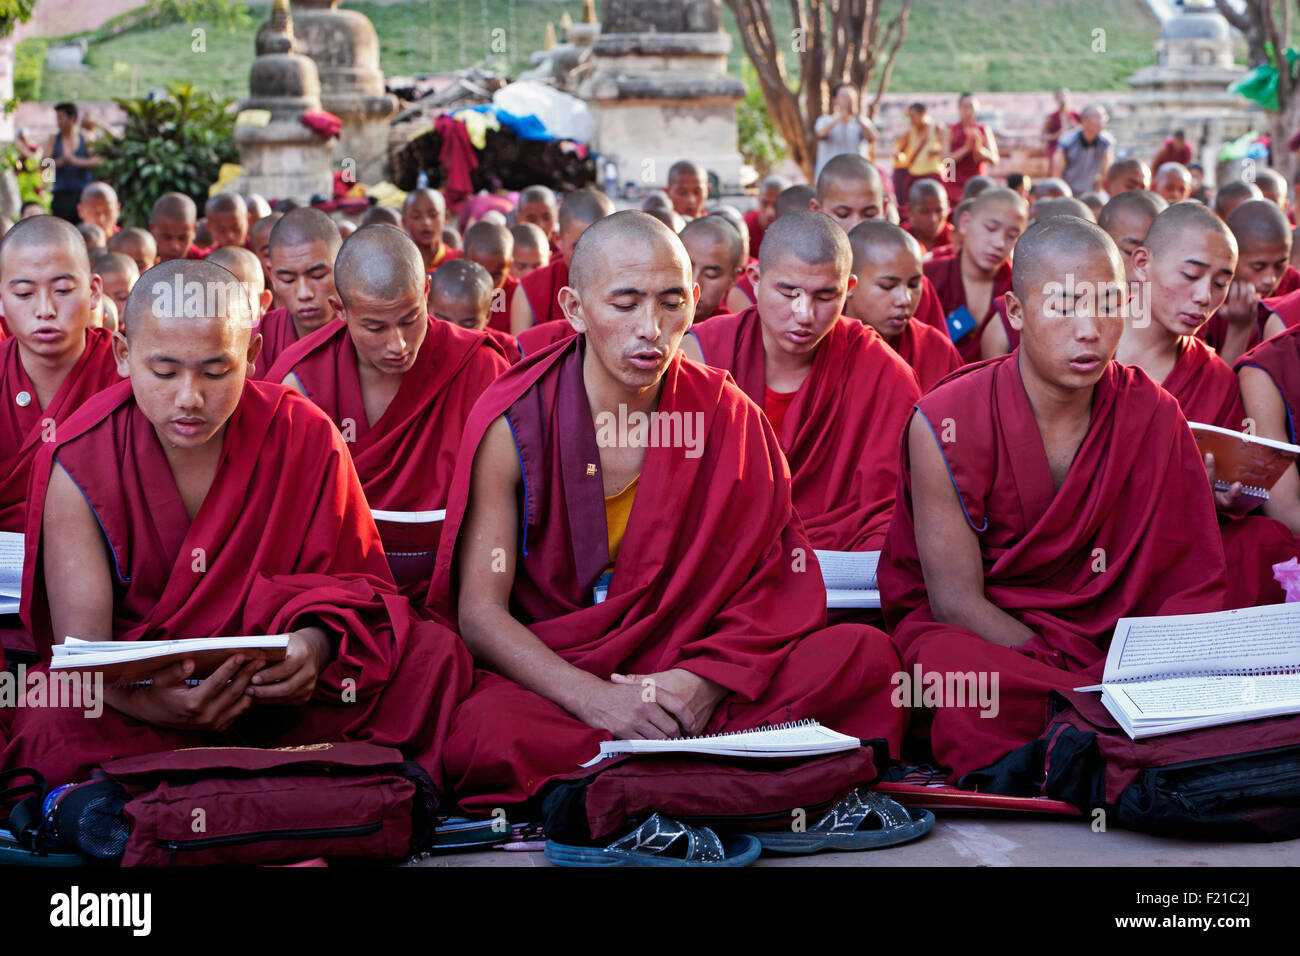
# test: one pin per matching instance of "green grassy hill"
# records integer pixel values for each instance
(982, 45)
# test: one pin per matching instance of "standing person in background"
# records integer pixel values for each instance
(73, 161)
(1086, 153)
(845, 130)
(969, 146)
(1060, 121)
(1174, 150)
(918, 153)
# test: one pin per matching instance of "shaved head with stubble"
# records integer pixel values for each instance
(382, 291)
(630, 292)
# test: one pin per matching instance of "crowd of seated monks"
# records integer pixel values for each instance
(492, 493)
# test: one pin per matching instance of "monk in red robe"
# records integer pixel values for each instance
(1043, 495)
(52, 362)
(836, 394)
(138, 245)
(397, 385)
(796, 198)
(927, 214)
(247, 268)
(424, 214)
(233, 509)
(592, 593)
(970, 281)
(259, 241)
(1264, 255)
(173, 220)
(303, 246)
(117, 275)
(537, 207)
(887, 264)
(757, 220)
(226, 215)
(717, 258)
(540, 301)
(492, 247)
(1181, 274)
(461, 293)
(532, 252)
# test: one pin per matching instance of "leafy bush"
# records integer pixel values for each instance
(229, 15)
(174, 143)
(760, 143)
(29, 68)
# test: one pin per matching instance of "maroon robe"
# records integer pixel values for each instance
(507, 343)
(1285, 306)
(538, 337)
(842, 430)
(278, 334)
(500, 318)
(929, 352)
(285, 540)
(405, 460)
(756, 231)
(946, 276)
(1130, 532)
(944, 238)
(1207, 391)
(542, 288)
(713, 591)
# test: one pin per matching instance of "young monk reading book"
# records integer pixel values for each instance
(303, 246)
(540, 301)
(1182, 273)
(836, 394)
(397, 385)
(887, 264)
(598, 593)
(1263, 238)
(233, 510)
(1025, 524)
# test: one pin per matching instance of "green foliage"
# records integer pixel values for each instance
(28, 172)
(29, 68)
(174, 143)
(14, 12)
(229, 15)
(761, 144)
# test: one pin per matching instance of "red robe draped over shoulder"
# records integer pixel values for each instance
(842, 430)
(946, 276)
(1286, 307)
(1131, 532)
(283, 540)
(503, 297)
(405, 460)
(929, 352)
(714, 590)
(278, 333)
(1207, 391)
(24, 430)
(533, 340)
(542, 288)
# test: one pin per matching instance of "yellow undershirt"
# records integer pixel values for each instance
(618, 508)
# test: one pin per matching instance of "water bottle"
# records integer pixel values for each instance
(611, 180)
(422, 181)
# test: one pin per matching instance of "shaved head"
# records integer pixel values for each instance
(226, 203)
(47, 231)
(223, 298)
(305, 225)
(924, 189)
(1140, 202)
(99, 190)
(115, 263)
(1232, 194)
(669, 217)
(382, 215)
(1047, 248)
(976, 185)
(537, 194)
(528, 236)
(1172, 224)
(717, 230)
(813, 238)
(463, 281)
(774, 185)
(175, 206)
(432, 195)
(584, 206)
(1061, 206)
(876, 239)
(794, 199)
(379, 262)
(1000, 195)
(686, 167)
(488, 239)
(1257, 222)
(656, 200)
(243, 263)
(624, 228)
(846, 167)
(1272, 184)
(1049, 187)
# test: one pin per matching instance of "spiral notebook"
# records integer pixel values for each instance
(800, 738)
(1184, 671)
(850, 578)
(1256, 462)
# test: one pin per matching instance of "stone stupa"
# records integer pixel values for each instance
(283, 159)
(345, 48)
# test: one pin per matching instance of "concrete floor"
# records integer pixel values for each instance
(988, 840)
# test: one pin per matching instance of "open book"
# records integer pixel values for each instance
(1256, 462)
(802, 738)
(11, 571)
(1183, 671)
(126, 662)
(850, 578)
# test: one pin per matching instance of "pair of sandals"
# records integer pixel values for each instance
(862, 820)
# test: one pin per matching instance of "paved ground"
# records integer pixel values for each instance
(969, 840)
